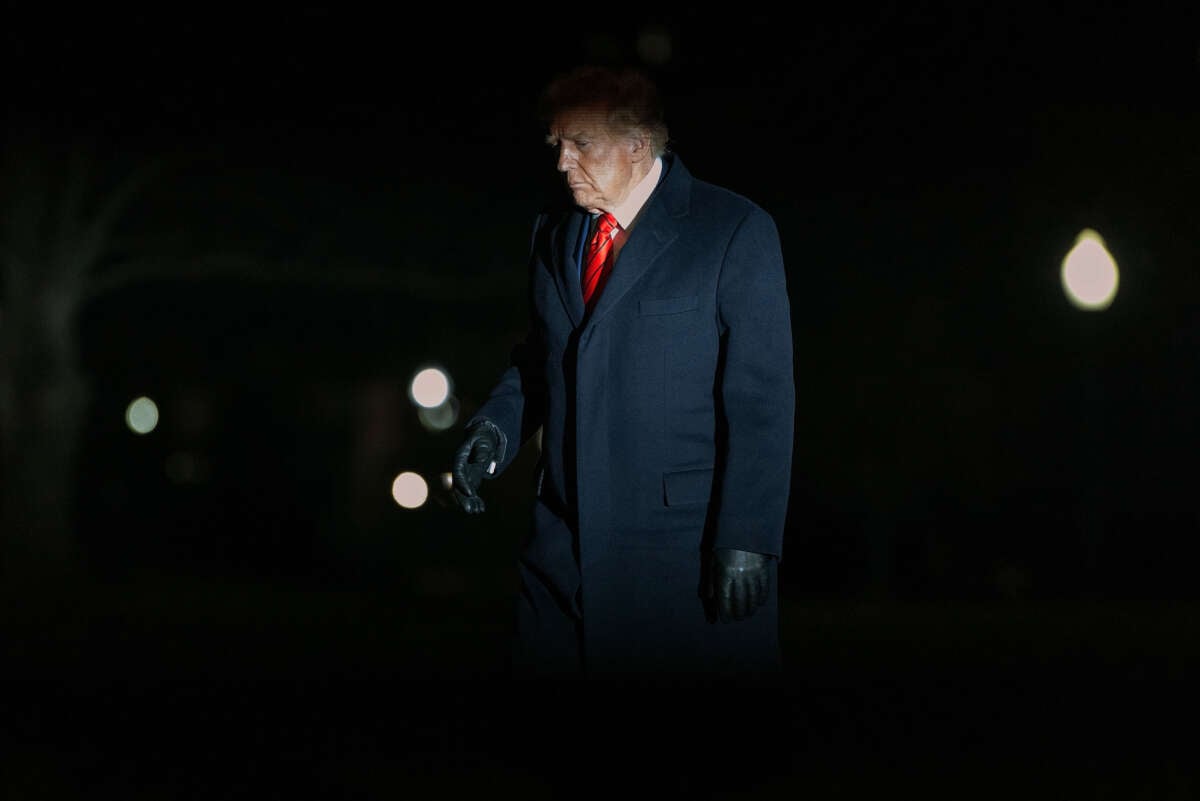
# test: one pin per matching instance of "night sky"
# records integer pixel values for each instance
(343, 194)
(339, 198)
(929, 167)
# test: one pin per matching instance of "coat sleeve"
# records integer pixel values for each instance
(756, 391)
(516, 402)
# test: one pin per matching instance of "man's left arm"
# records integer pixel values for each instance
(757, 391)
(757, 415)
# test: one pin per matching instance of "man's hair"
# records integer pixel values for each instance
(629, 98)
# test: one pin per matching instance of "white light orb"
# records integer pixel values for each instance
(141, 415)
(410, 490)
(430, 388)
(1089, 273)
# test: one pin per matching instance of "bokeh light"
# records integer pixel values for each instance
(439, 418)
(141, 415)
(185, 467)
(410, 490)
(1089, 273)
(430, 387)
(654, 45)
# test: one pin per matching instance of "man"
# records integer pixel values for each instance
(664, 402)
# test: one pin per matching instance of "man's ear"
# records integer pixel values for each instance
(639, 147)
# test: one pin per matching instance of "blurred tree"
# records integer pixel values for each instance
(81, 219)
(57, 221)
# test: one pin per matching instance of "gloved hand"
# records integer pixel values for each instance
(739, 582)
(475, 458)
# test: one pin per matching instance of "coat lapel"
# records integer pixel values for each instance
(655, 230)
(566, 269)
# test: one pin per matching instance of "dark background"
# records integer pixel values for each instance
(992, 514)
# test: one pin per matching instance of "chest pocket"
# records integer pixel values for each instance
(651, 307)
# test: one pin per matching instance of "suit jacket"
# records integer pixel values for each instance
(666, 421)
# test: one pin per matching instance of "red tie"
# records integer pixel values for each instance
(599, 258)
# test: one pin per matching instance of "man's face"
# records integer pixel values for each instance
(599, 167)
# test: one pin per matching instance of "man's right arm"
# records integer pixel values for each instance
(512, 412)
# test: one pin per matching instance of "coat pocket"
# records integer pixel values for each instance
(648, 307)
(687, 487)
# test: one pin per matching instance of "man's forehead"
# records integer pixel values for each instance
(579, 122)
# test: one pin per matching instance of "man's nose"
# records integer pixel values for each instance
(565, 161)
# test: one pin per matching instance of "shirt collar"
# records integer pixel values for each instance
(626, 212)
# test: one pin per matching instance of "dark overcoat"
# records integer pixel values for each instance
(664, 419)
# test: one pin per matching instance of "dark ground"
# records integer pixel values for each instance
(145, 689)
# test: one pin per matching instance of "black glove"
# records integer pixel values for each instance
(739, 582)
(475, 458)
